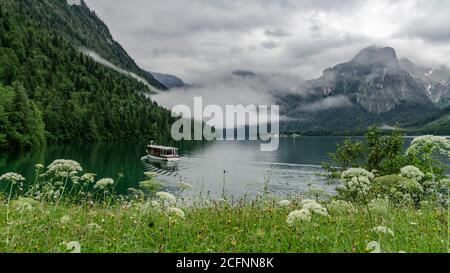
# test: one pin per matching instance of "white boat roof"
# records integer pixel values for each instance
(162, 147)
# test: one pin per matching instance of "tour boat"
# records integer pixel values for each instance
(162, 153)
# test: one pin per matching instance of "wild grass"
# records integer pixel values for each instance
(258, 226)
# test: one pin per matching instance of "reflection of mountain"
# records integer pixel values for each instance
(373, 88)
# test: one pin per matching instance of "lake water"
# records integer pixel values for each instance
(241, 164)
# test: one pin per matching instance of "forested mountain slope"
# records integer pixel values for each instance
(50, 91)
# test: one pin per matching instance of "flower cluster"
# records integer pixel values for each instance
(284, 203)
(298, 216)
(374, 247)
(12, 177)
(314, 207)
(103, 183)
(39, 166)
(410, 186)
(383, 230)
(151, 175)
(357, 179)
(184, 186)
(176, 213)
(74, 246)
(430, 144)
(65, 219)
(64, 168)
(166, 197)
(341, 207)
(88, 177)
(412, 172)
(379, 206)
(24, 204)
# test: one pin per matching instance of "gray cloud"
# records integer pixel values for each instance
(327, 103)
(201, 41)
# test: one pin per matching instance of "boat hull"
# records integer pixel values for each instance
(167, 159)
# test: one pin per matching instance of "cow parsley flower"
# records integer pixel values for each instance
(412, 172)
(298, 216)
(74, 246)
(284, 203)
(64, 168)
(184, 186)
(341, 207)
(151, 175)
(430, 144)
(24, 204)
(166, 197)
(357, 179)
(88, 177)
(103, 183)
(12, 177)
(314, 207)
(410, 185)
(176, 212)
(65, 219)
(383, 230)
(374, 247)
(379, 206)
(39, 166)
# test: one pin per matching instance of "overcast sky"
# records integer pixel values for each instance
(198, 39)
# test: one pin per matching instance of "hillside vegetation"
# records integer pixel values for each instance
(51, 92)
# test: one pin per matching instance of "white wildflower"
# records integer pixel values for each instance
(374, 247)
(151, 175)
(178, 213)
(298, 216)
(12, 177)
(357, 179)
(184, 186)
(379, 206)
(64, 168)
(74, 246)
(410, 185)
(149, 206)
(383, 230)
(341, 207)
(284, 203)
(39, 166)
(166, 197)
(430, 143)
(314, 207)
(103, 183)
(88, 177)
(24, 204)
(65, 219)
(412, 172)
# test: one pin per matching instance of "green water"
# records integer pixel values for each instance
(242, 165)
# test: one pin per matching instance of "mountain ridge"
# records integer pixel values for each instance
(77, 23)
(372, 88)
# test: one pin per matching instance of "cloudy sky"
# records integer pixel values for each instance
(198, 39)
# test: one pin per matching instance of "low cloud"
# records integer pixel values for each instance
(327, 103)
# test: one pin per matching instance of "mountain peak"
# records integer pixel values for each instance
(374, 55)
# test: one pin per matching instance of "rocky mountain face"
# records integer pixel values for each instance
(436, 80)
(74, 21)
(372, 88)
